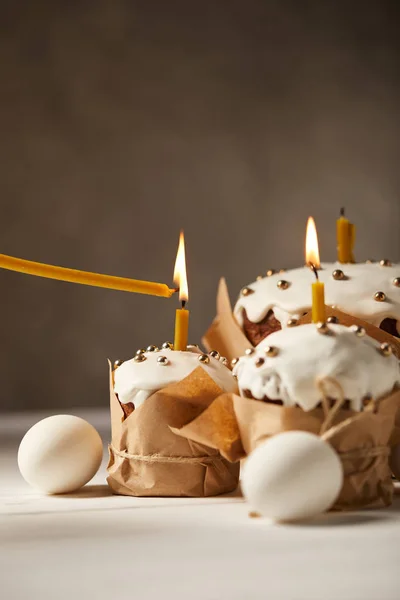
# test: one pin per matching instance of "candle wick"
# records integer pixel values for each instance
(183, 303)
(342, 211)
(314, 269)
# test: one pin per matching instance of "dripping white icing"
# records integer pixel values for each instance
(306, 355)
(136, 381)
(354, 295)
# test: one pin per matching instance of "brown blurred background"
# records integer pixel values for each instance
(124, 121)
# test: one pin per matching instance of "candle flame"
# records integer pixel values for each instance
(312, 249)
(180, 277)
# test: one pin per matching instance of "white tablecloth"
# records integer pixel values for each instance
(95, 545)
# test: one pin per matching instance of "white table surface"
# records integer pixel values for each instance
(95, 545)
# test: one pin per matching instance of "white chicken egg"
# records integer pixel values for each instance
(60, 454)
(293, 475)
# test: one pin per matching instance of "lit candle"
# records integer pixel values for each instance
(84, 277)
(345, 233)
(182, 314)
(312, 259)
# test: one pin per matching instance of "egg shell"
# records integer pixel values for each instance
(60, 454)
(292, 476)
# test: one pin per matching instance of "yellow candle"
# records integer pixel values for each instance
(84, 277)
(318, 312)
(345, 233)
(181, 329)
(182, 314)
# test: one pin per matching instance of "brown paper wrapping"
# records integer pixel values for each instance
(236, 426)
(226, 336)
(148, 459)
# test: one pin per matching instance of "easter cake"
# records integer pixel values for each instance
(150, 395)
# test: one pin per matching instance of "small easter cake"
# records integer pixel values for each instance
(150, 396)
(286, 369)
(369, 291)
(154, 369)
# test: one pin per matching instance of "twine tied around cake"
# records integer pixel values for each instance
(330, 411)
(327, 431)
(158, 458)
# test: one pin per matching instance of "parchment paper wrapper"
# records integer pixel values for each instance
(236, 426)
(226, 336)
(148, 459)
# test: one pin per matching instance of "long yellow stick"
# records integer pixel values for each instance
(84, 277)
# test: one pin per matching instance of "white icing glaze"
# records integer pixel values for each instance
(136, 381)
(305, 355)
(354, 295)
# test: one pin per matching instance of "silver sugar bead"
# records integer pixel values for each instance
(214, 354)
(380, 296)
(332, 319)
(323, 328)
(338, 275)
(292, 322)
(167, 346)
(271, 351)
(386, 349)
(204, 358)
(246, 291)
(140, 358)
(162, 360)
(358, 331)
